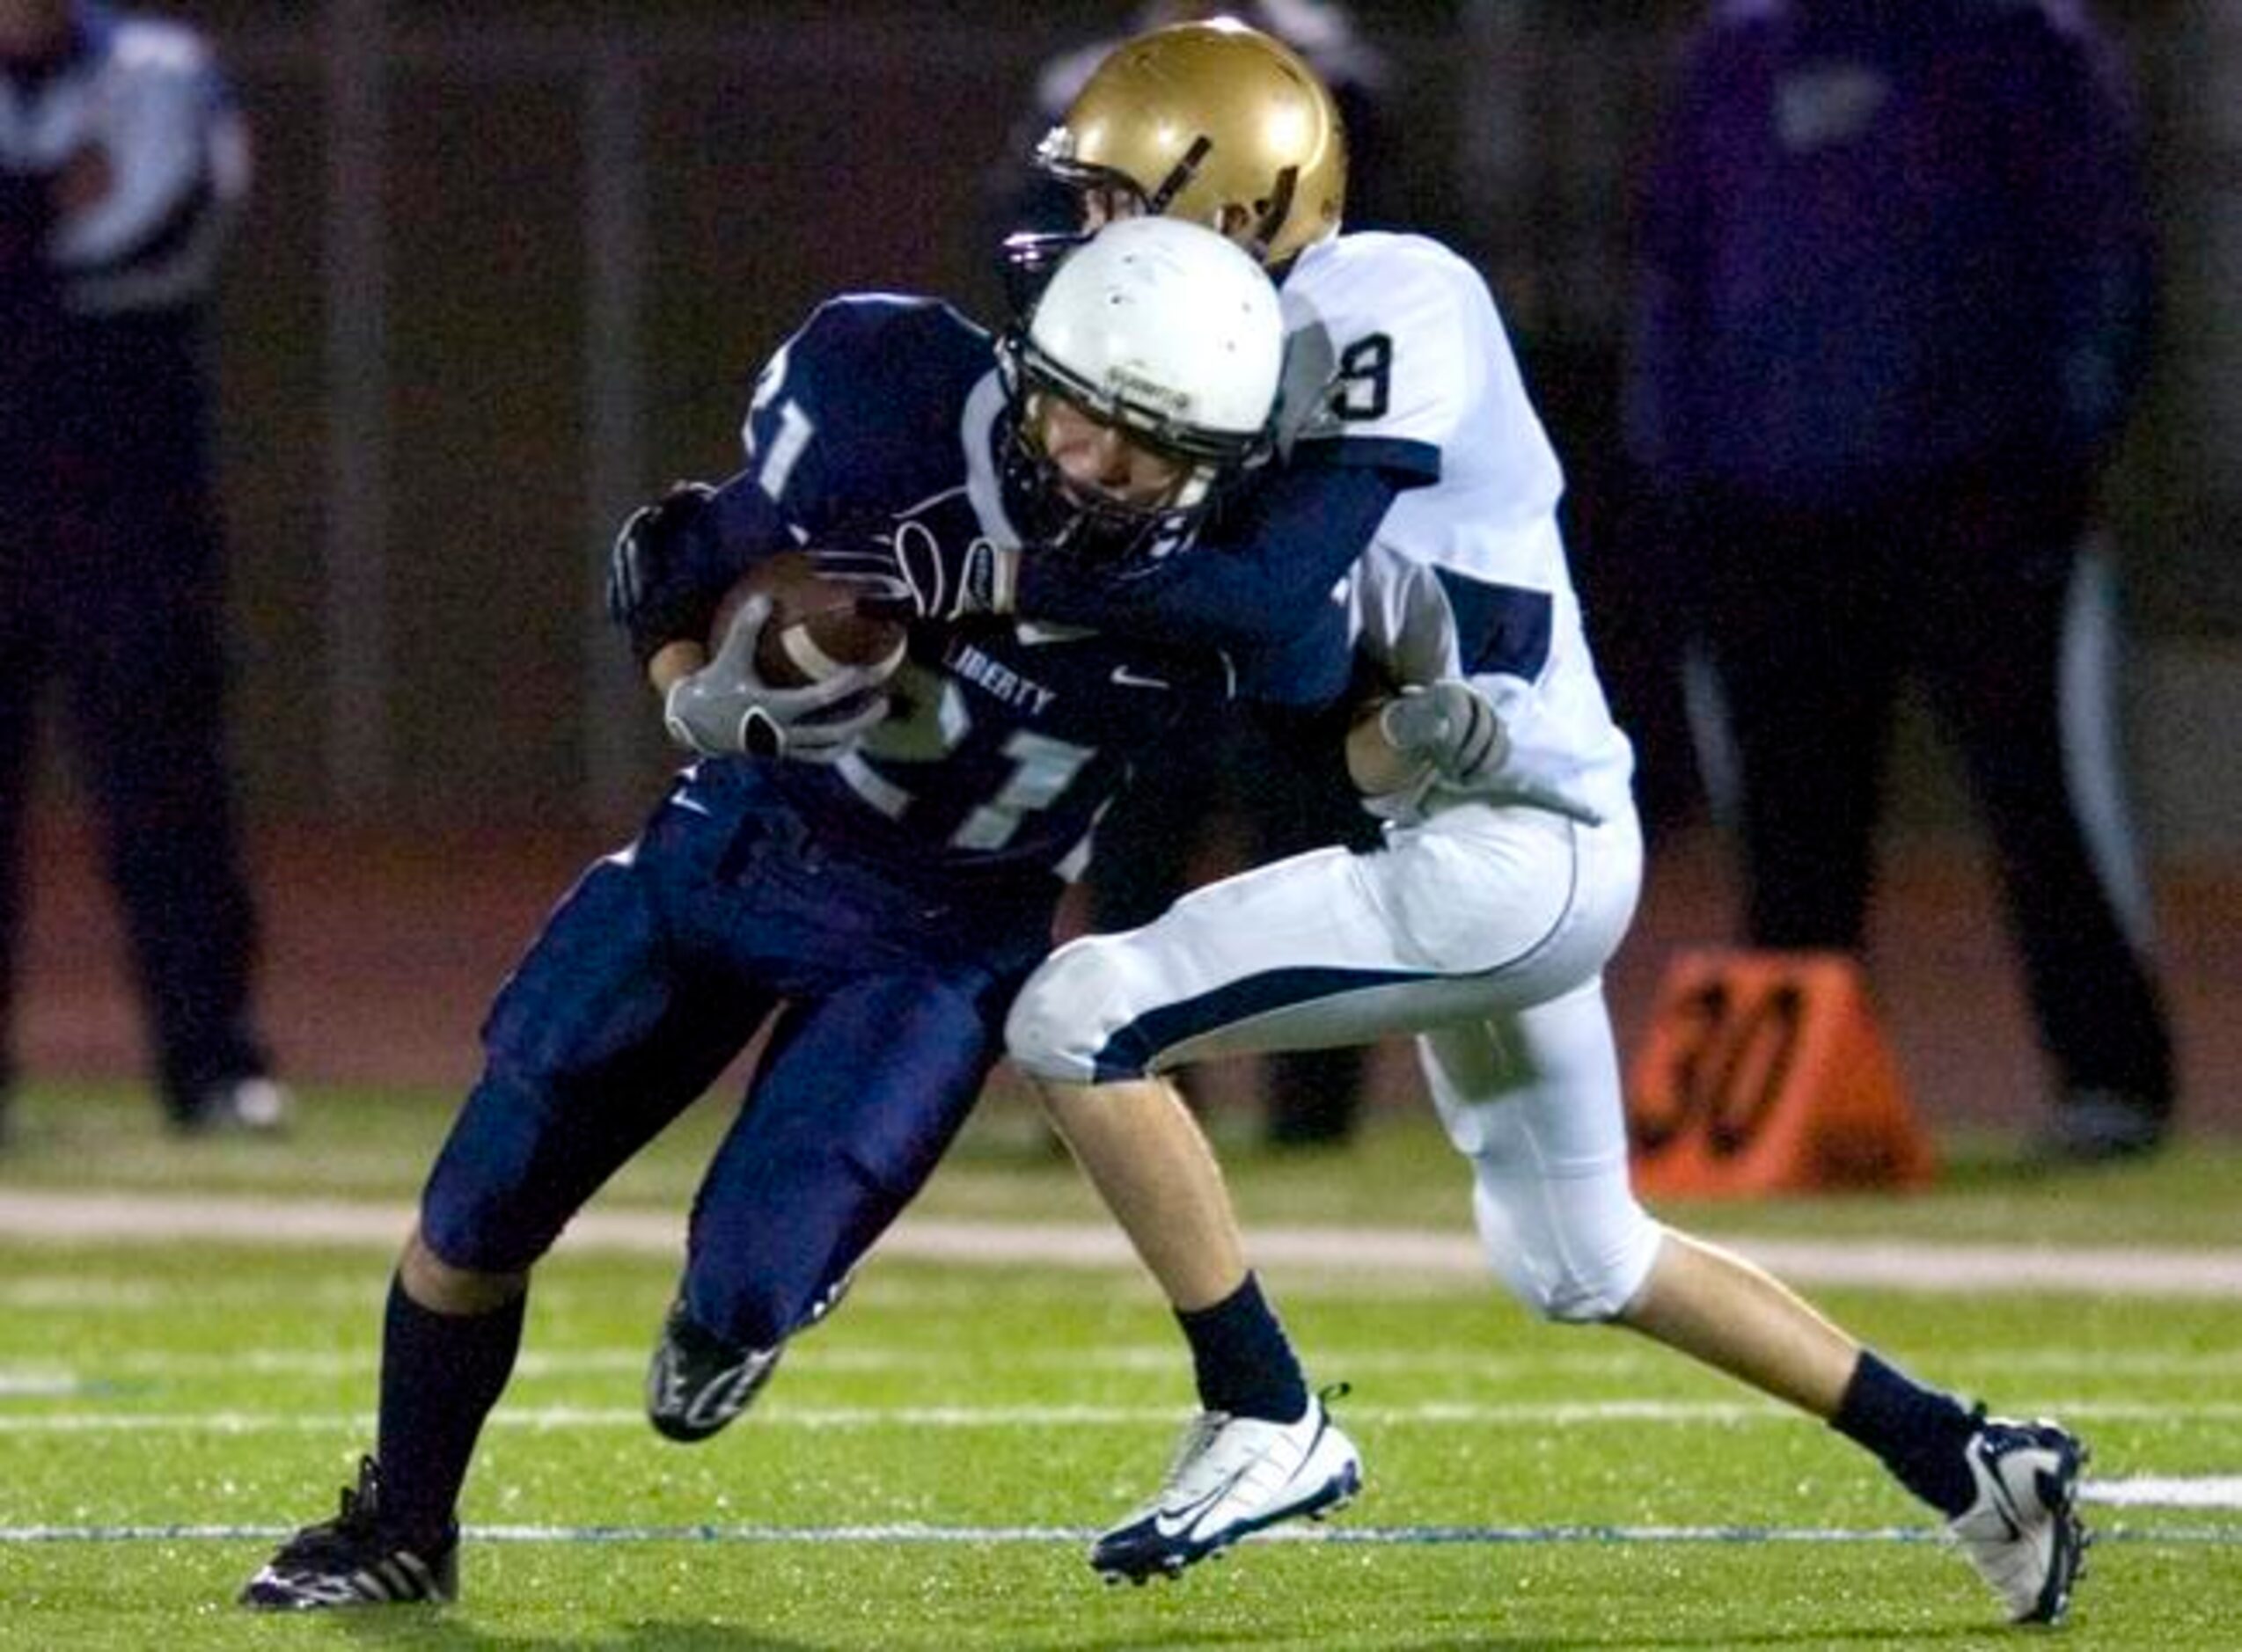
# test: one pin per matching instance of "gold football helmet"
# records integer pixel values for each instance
(1211, 121)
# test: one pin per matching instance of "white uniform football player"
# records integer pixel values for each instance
(1508, 874)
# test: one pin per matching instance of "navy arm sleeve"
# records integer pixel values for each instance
(1259, 580)
(864, 393)
(1306, 671)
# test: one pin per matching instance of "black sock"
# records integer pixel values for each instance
(1917, 1433)
(440, 1375)
(1244, 1364)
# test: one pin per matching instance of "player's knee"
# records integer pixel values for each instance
(438, 1286)
(1577, 1272)
(1060, 1025)
(1569, 1296)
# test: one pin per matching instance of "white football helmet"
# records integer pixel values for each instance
(1166, 330)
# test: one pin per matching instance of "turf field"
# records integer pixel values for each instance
(187, 1355)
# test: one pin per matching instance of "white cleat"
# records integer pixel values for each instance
(1232, 1476)
(2024, 1534)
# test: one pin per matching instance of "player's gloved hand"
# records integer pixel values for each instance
(908, 573)
(1450, 725)
(648, 549)
(725, 709)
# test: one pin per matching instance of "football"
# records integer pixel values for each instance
(814, 628)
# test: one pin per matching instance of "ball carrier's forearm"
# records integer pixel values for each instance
(1151, 1164)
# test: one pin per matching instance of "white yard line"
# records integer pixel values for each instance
(1913, 1265)
(34, 1378)
(1536, 1416)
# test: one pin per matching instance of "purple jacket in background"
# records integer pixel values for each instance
(1885, 240)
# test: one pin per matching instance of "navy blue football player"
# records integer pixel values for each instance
(870, 864)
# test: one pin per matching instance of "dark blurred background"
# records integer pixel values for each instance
(509, 266)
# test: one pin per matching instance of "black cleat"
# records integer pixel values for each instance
(356, 1558)
(697, 1385)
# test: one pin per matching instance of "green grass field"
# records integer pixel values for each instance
(928, 1469)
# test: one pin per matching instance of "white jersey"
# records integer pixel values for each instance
(1467, 575)
(1484, 922)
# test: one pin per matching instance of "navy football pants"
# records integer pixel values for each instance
(655, 970)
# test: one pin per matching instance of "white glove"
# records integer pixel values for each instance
(1449, 724)
(909, 575)
(725, 709)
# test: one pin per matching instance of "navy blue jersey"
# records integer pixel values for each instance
(877, 915)
(1008, 738)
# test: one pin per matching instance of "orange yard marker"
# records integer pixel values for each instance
(1767, 1072)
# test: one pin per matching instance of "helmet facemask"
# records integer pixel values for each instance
(1161, 335)
(1116, 536)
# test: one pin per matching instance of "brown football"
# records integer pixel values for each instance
(814, 628)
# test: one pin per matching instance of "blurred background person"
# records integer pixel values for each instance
(1894, 308)
(123, 162)
(1234, 796)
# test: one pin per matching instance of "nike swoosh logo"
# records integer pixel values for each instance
(1172, 1522)
(1127, 678)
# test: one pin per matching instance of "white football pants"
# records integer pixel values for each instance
(1485, 932)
